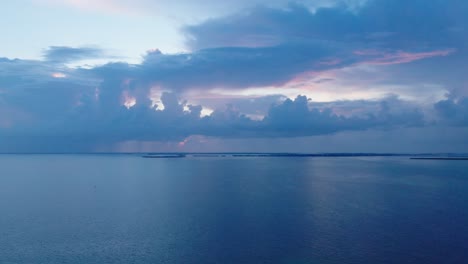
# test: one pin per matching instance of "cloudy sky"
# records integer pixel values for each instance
(247, 75)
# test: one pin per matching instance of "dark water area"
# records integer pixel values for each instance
(126, 209)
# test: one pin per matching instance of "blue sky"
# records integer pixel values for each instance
(302, 76)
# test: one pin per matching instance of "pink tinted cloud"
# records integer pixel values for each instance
(376, 57)
(315, 77)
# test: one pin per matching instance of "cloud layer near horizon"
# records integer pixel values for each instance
(166, 96)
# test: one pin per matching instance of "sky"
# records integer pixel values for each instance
(234, 76)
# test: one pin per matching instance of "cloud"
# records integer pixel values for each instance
(402, 41)
(254, 107)
(86, 113)
(49, 105)
(63, 54)
(242, 68)
(378, 32)
(399, 57)
(401, 140)
(87, 110)
(296, 117)
(453, 112)
(382, 23)
(236, 67)
(261, 26)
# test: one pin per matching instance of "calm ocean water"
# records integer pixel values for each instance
(126, 209)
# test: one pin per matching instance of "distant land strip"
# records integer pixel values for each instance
(257, 155)
(439, 158)
(168, 155)
(164, 156)
(290, 155)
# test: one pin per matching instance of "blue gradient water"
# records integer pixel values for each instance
(126, 209)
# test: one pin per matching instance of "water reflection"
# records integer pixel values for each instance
(124, 209)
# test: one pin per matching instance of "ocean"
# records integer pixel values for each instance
(323, 210)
